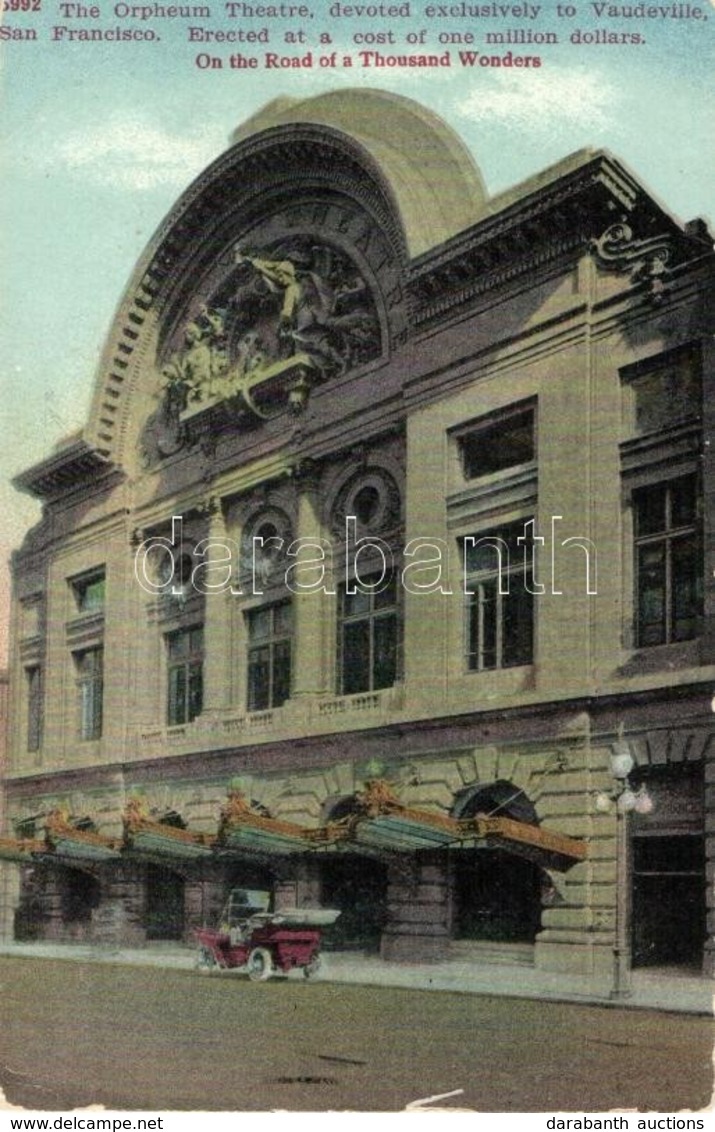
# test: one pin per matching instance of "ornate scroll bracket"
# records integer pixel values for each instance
(648, 260)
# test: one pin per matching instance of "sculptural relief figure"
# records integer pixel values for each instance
(201, 366)
(294, 299)
(251, 354)
(321, 313)
(197, 372)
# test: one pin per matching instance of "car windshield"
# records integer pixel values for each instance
(245, 902)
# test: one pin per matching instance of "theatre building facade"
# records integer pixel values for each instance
(381, 576)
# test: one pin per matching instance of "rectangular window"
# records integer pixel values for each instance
(185, 668)
(666, 390)
(368, 635)
(34, 707)
(668, 562)
(502, 442)
(88, 592)
(89, 666)
(270, 632)
(500, 601)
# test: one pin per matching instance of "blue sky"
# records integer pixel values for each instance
(96, 142)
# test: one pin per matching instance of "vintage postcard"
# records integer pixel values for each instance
(358, 602)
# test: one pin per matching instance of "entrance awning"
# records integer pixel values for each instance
(82, 846)
(544, 847)
(19, 849)
(380, 822)
(244, 830)
(63, 843)
(158, 842)
(405, 830)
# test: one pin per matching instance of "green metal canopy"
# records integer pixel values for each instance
(405, 831)
(244, 830)
(159, 842)
(72, 848)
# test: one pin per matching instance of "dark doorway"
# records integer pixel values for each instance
(30, 915)
(668, 889)
(358, 887)
(81, 894)
(164, 908)
(497, 896)
(668, 901)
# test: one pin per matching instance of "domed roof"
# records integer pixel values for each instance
(436, 183)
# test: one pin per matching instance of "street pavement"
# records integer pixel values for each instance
(161, 1037)
(652, 989)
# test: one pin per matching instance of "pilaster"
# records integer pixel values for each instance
(216, 584)
(311, 603)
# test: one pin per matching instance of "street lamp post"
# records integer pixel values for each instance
(626, 800)
(621, 944)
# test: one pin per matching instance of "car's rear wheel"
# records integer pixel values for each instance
(311, 969)
(260, 965)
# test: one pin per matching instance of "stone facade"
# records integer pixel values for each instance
(384, 480)
(9, 877)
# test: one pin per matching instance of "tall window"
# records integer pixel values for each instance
(668, 562)
(89, 666)
(500, 604)
(270, 631)
(185, 667)
(368, 636)
(88, 592)
(34, 707)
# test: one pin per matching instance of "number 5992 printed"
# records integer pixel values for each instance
(21, 5)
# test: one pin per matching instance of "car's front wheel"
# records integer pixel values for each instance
(205, 960)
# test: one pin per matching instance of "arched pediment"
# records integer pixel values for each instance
(435, 182)
(280, 267)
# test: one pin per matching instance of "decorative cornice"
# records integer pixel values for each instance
(72, 466)
(550, 223)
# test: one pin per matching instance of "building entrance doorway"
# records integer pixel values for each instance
(164, 906)
(667, 852)
(80, 896)
(497, 896)
(248, 874)
(358, 887)
(668, 901)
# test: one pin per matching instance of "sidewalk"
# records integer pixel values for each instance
(650, 989)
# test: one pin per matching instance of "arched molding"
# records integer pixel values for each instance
(501, 798)
(304, 179)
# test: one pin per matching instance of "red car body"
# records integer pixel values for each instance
(261, 942)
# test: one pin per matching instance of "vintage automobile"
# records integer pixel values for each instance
(261, 942)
